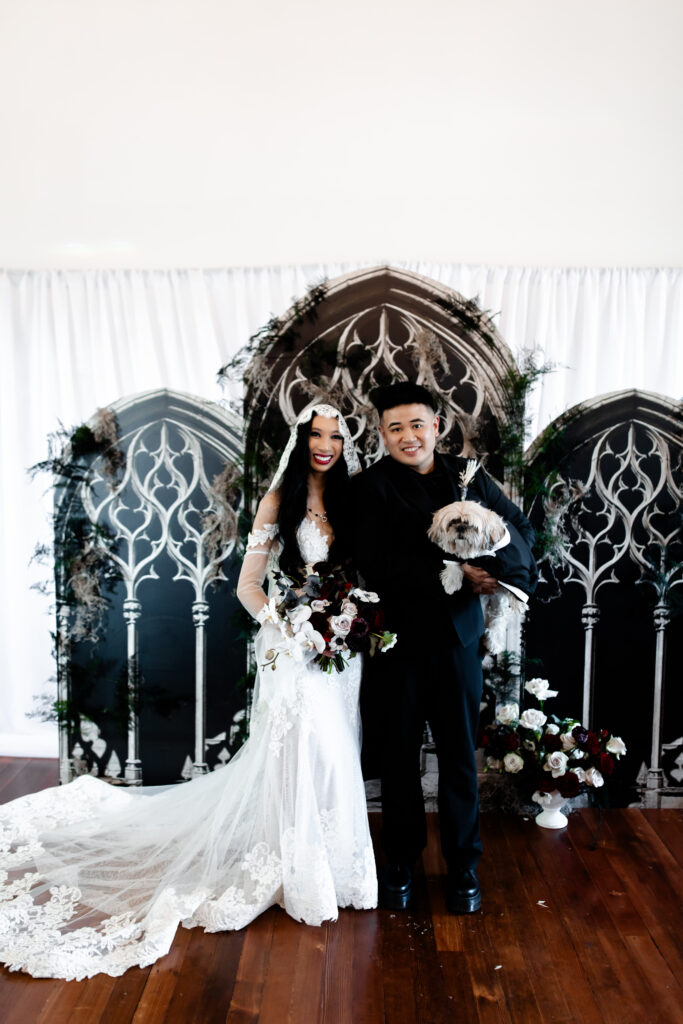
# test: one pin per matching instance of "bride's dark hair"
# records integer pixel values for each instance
(294, 498)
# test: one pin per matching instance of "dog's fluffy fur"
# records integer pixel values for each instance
(468, 530)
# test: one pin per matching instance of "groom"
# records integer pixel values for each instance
(433, 674)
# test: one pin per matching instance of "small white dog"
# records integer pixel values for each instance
(468, 530)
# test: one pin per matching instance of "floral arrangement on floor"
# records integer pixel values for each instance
(324, 612)
(546, 753)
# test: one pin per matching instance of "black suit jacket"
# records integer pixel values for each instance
(393, 511)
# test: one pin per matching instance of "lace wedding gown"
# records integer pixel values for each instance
(96, 878)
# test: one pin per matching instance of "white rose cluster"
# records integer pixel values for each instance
(533, 719)
(540, 689)
(341, 624)
(615, 745)
(513, 763)
(508, 714)
(556, 764)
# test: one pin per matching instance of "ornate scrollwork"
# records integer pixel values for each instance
(612, 509)
(625, 508)
(372, 327)
(163, 506)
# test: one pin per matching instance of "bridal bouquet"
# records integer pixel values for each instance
(549, 753)
(324, 612)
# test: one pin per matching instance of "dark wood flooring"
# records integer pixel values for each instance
(566, 934)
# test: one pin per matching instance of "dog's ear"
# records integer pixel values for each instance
(495, 528)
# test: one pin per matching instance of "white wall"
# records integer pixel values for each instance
(198, 133)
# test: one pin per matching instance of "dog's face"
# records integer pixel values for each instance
(465, 528)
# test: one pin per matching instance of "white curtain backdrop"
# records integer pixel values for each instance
(72, 341)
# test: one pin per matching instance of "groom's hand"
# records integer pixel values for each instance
(479, 579)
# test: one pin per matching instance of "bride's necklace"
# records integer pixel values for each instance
(320, 515)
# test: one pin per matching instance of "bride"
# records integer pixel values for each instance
(96, 878)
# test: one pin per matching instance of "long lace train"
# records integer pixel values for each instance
(96, 878)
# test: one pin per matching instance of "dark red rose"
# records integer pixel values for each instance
(374, 616)
(605, 764)
(483, 739)
(319, 622)
(591, 744)
(604, 734)
(511, 741)
(552, 742)
(568, 784)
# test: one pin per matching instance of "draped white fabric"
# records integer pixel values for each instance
(72, 341)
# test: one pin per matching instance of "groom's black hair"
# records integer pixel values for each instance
(405, 392)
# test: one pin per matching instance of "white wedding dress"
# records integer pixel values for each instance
(96, 878)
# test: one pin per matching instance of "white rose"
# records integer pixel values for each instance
(340, 624)
(616, 746)
(349, 608)
(508, 713)
(299, 614)
(580, 774)
(556, 763)
(577, 754)
(540, 689)
(594, 778)
(533, 719)
(368, 596)
(319, 606)
(494, 764)
(553, 729)
(513, 763)
(568, 741)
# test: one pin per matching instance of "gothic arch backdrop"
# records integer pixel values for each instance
(366, 328)
(146, 525)
(601, 619)
(607, 493)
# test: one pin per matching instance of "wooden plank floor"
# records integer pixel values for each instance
(566, 934)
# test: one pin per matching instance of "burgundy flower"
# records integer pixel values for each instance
(483, 739)
(359, 628)
(552, 742)
(580, 735)
(511, 741)
(319, 622)
(374, 616)
(568, 784)
(591, 744)
(605, 764)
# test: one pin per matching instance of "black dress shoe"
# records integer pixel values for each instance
(396, 887)
(463, 894)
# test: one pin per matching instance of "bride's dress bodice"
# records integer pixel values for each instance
(313, 544)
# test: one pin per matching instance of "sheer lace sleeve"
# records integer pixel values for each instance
(261, 539)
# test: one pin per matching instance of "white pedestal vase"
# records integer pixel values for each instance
(551, 816)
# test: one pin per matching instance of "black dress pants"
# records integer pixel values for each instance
(441, 686)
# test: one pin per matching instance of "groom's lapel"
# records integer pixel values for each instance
(406, 484)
